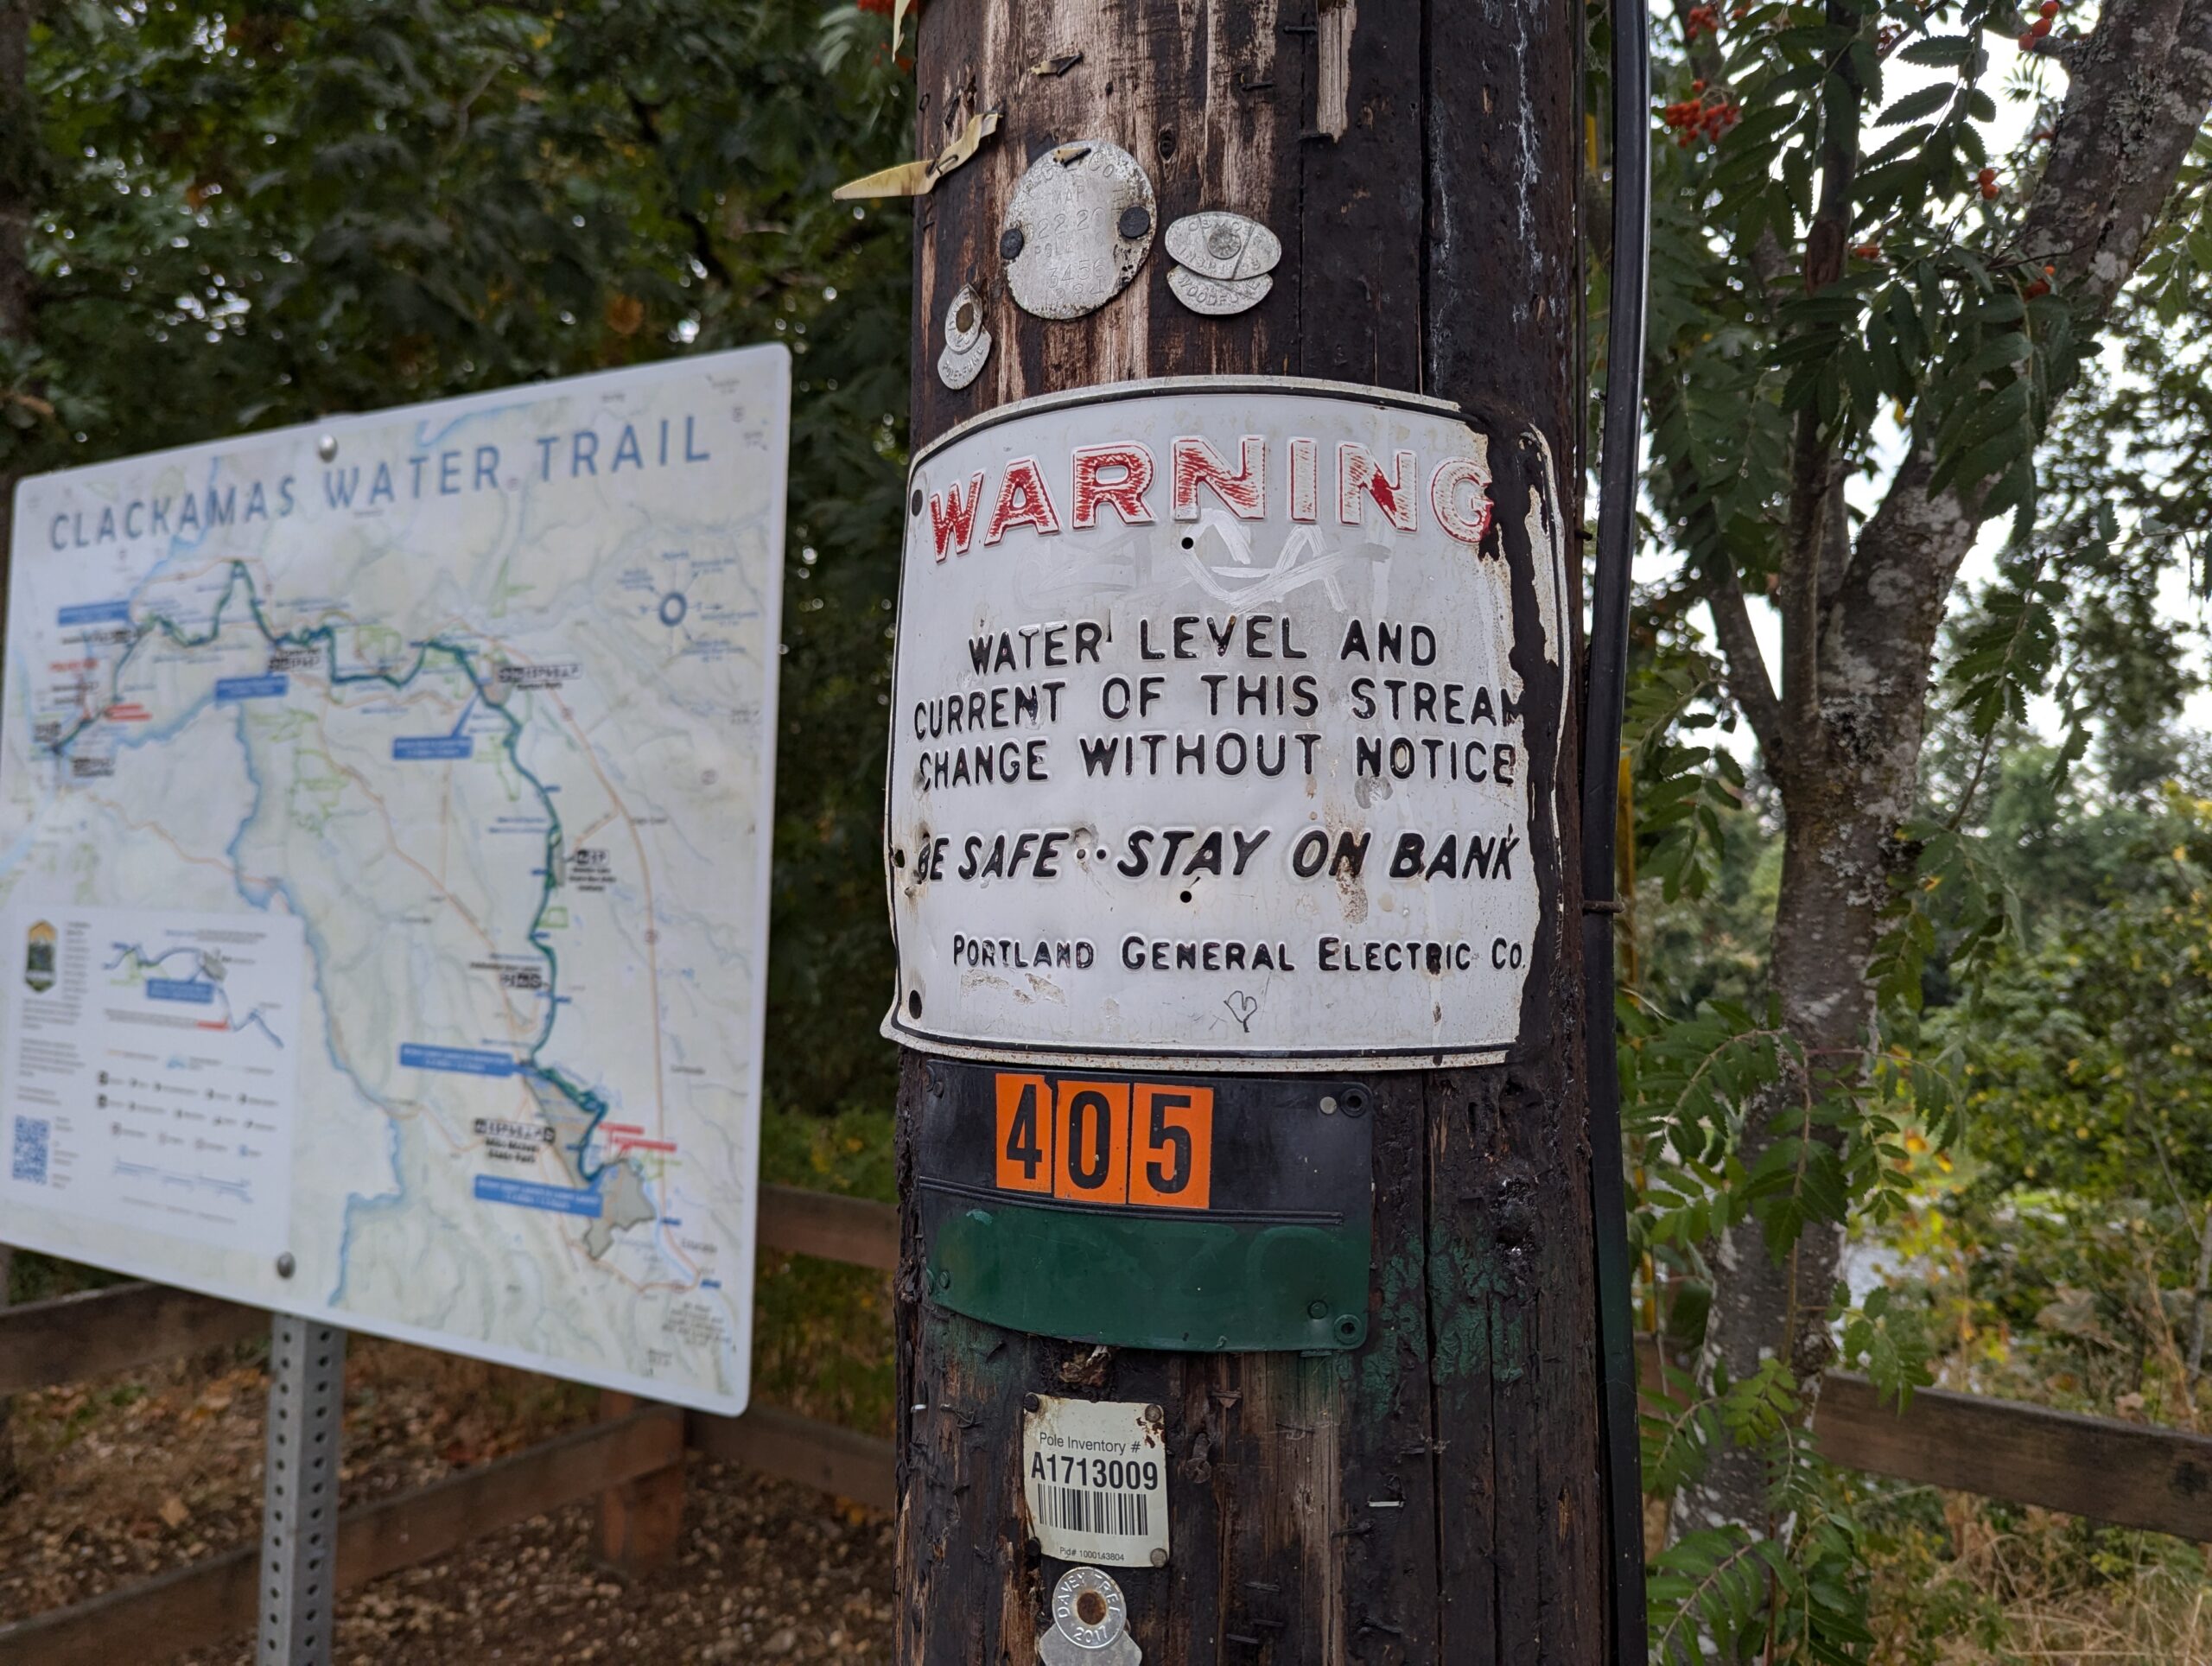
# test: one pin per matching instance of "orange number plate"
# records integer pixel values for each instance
(1147, 1143)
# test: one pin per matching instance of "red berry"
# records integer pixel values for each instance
(2040, 28)
(2036, 288)
(1988, 191)
(2048, 8)
(2026, 40)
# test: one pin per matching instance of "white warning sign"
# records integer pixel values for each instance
(1212, 735)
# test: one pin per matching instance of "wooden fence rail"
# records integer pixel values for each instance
(71, 1338)
(2127, 1473)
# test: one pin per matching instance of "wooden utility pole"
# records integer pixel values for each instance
(1433, 1494)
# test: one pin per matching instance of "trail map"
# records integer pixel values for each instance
(384, 812)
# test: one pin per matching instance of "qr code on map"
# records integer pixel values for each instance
(27, 1158)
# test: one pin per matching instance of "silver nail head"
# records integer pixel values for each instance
(1080, 224)
(1213, 298)
(286, 1265)
(1226, 246)
(327, 446)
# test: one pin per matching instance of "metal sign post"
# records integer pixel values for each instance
(299, 1509)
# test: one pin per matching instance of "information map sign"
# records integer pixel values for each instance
(1209, 738)
(385, 814)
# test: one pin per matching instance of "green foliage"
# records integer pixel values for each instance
(256, 215)
(1808, 315)
(2178, 270)
(1717, 1583)
(821, 1329)
(1686, 1085)
(1684, 791)
(1892, 1349)
(1727, 1592)
(2097, 1039)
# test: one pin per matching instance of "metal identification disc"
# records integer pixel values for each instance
(1222, 245)
(1079, 224)
(966, 343)
(1094, 1475)
(1217, 297)
(1090, 1622)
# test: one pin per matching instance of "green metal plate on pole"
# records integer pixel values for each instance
(1217, 1214)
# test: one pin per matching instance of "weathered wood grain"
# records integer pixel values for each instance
(1434, 1496)
(2128, 1473)
(852, 1229)
(74, 1338)
(841, 1461)
(640, 1523)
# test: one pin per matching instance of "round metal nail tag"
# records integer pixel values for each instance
(1079, 224)
(1223, 245)
(966, 343)
(1090, 1622)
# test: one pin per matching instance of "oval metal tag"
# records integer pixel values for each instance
(1220, 244)
(1078, 226)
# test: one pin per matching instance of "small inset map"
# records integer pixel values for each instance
(165, 1098)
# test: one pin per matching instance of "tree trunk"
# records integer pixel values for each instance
(1434, 1496)
(1846, 757)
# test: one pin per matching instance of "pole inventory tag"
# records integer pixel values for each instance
(1220, 709)
(1094, 1480)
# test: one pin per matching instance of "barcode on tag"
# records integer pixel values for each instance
(1095, 1478)
(1123, 1514)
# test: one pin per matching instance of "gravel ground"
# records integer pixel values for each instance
(128, 1477)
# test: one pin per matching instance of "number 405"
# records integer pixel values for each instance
(1148, 1143)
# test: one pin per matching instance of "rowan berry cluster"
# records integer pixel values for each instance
(1986, 178)
(2041, 286)
(1867, 251)
(1702, 19)
(2041, 27)
(1702, 114)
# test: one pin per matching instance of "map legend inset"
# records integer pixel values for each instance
(154, 1073)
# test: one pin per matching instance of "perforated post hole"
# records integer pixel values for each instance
(306, 1381)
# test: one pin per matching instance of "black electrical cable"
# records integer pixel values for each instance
(1605, 690)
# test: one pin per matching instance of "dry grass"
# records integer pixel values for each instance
(1993, 1584)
